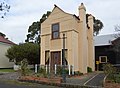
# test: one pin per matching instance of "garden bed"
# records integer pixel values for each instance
(57, 80)
(109, 84)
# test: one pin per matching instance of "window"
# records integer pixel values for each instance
(103, 59)
(55, 31)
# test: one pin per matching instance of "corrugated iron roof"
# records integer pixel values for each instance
(103, 40)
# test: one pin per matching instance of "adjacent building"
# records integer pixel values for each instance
(104, 52)
(79, 44)
(4, 45)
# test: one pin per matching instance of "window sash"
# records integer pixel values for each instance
(55, 27)
(55, 31)
(55, 34)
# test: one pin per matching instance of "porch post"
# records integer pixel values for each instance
(72, 69)
(69, 69)
(35, 68)
(55, 69)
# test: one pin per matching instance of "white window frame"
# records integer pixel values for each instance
(100, 57)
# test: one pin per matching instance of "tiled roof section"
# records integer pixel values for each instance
(4, 40)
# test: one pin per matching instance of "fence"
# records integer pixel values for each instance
(56, 69)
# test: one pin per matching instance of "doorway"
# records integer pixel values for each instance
(55, 59)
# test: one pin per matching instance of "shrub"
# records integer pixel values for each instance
(109, 71)
(60, 71)
(117, 78)
(42, 72)
(24, 67)
(78, 73)
(89, 69)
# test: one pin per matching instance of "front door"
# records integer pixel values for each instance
(55, 59)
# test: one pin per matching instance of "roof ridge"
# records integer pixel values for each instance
(4, 40)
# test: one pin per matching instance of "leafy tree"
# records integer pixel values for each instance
(34, 34)
(3, 35)
(4, 8)
(34, 29)
(98, 25)
(27, 51)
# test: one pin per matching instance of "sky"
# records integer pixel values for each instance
(24, 12)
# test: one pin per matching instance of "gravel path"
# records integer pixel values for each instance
(80, 80)
(10, 76)
(97, 80)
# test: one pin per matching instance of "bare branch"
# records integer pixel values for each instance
(4, 8)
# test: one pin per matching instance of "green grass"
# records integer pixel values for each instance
(7, 70)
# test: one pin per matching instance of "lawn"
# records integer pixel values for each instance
(7, 70)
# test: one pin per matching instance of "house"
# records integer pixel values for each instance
(4, 45)
(79, 44)
(104, 52)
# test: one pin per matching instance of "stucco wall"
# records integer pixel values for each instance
(68, 25)
(80, 50)
(4, 61)
(67, 22)
(75, 50)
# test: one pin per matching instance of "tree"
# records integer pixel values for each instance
(34, 29)
(98, 25)
(4, 8)
(3, 35)
(116, 42)
(27, 51)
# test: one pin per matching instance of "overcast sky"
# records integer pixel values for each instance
(24, 12)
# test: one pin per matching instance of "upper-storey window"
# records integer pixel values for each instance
(55, 31)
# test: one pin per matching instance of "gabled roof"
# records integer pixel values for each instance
(55, 6)
(4, 40)
(104, 40)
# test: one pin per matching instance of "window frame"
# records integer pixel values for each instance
(100, 57)
(58, 31)
(47, 52)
